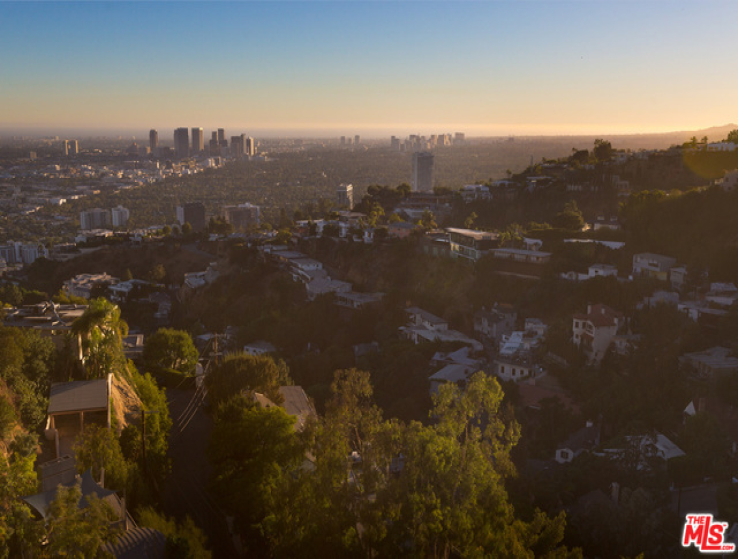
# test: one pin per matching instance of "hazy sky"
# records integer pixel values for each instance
(373, 68)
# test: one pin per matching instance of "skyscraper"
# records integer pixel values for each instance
(222, 142)
(250, 146)
(345, 195)
(422, 171)
(153, 140)
(120, 216)
(198, 140)
(65, 147)
(73, 147)
(237, 145)
(181, 143)
(192, 213)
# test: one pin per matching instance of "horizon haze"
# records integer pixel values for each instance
(374, 69)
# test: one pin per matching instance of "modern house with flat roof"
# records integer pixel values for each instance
(72, 405)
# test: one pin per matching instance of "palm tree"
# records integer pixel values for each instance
(99, 332)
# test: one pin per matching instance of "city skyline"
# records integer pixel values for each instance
(374, 69)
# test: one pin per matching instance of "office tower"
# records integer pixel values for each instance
(153, 140)
(94, 219)
(422, 171)
(459, 138)
(181, 143)
(222, 142)
(120, 216)
(357, 140)
(343, 140)
(237, 145)
(250, 146)
(395, 143)
(198, 141)
(192, 213)
(73, 147)
(242, 216)
(65, 147)
(345, 195)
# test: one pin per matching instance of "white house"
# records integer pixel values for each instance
(595, 330)
(652, 265)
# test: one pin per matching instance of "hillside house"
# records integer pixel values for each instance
(496, 322)
(82, 285)
(470, 244)
(711, 362)
(595, 330)
(583, 440)
(652, 265)
(451, 373)
(72, 405)
(426, 327)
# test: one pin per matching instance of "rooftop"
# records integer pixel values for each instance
(78, 396)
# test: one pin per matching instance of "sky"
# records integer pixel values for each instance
(371, 68)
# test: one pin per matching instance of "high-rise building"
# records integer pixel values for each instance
(250, 146)
(459, 137)
(422, 171)
(73, 147)
(153, 140)
(65, 147)
(198, 140)
(214, 146)
(237, 145)
(192, 213)
(181, 143)
(120, 216)
(357, 140)
(345, 195)
(95, 219)
(242, 216)
(395, 143)
(343, 140)
(222, 142)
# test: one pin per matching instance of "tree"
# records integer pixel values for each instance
(732, 136)
(186, 530)
(166, 231)
(602, 150)
(428, 220)
(99, 332)
(249, 449)
(158, 423)
(79, 532)
(8, 418)
(98, 448)
(570, 218)
(469, 221)
(19, 532)
(404, 189)
(171, 349)
(187, 228)
(158, 274)
(241, 371)
(417, 490)
(283, 237)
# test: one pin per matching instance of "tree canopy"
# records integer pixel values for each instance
(241, 371)
(168, 348)
(384, 488)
